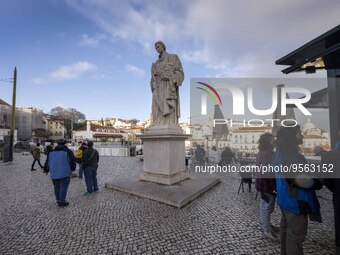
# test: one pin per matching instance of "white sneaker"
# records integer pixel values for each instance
(271, 236)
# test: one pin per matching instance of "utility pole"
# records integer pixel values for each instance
(13, 115)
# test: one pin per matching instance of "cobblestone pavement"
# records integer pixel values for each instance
(112, 222)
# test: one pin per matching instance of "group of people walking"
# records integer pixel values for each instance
(61, 165)
(295, 195)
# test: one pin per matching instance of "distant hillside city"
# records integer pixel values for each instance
(34, 125)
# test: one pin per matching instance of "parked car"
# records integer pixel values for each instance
(22, 145)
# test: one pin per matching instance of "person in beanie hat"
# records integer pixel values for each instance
(90, 165)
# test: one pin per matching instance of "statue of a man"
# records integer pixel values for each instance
(166, 76)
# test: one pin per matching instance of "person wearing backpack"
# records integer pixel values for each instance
(333, 184)
(36, 157)
(90, 165)
(295, 196)
(78, 155)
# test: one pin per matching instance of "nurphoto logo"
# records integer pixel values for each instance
(277, 95)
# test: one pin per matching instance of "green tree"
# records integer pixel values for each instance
(133, 121)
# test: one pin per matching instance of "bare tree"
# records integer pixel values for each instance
(70, 116)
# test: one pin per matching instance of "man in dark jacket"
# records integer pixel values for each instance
(226, 157)
(48, 150)
(61, 164)
(333, 157)
(200, 154)
(90, 165)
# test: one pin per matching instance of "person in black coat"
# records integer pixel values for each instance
(333, 184)
(49, 148)
(226, 157)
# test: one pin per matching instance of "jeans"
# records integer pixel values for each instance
(36, 160)
(80, 171)
(267, 206)
(90, 173)
(337, 223)
(293, 231)
(60, 188)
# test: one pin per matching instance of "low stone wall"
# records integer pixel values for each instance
(113, 152)
(118, 152)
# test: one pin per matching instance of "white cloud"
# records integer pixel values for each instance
(134, 21)
(67, 72)
(38, 81)
(216, 33)
(251, 36)
(72, 71)
(135, 70)
(93, 41)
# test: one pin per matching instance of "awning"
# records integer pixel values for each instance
(319, 100)
(321, 53)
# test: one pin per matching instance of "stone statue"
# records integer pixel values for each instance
(166, 76)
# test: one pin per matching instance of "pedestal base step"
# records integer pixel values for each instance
(164, 179)
(177, 195)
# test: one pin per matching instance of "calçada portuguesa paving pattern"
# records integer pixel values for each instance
(111, 222)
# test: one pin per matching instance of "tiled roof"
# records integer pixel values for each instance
(108, 135)
(95, 127)
(2, 102)
(313, 136)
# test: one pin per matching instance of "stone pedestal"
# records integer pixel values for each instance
(164, 155)
(164, 178)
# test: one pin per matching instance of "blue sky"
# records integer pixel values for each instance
(95, 55)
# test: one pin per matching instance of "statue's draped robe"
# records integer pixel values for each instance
(165, 96)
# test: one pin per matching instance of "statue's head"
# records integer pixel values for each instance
(161, 44)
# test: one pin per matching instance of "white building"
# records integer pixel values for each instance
(245, 139)
(99, 133)
(7, 131)
(133, 133)
(314, 137)
(240, 139)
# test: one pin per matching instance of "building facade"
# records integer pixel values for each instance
(27, 120)
(99, 133)
(55, 127)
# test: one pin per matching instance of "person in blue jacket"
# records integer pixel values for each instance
(61, 164)
(333, 184)
(295, 196)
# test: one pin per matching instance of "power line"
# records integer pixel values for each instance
(7, 80)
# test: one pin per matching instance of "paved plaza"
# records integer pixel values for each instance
(111, 222)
